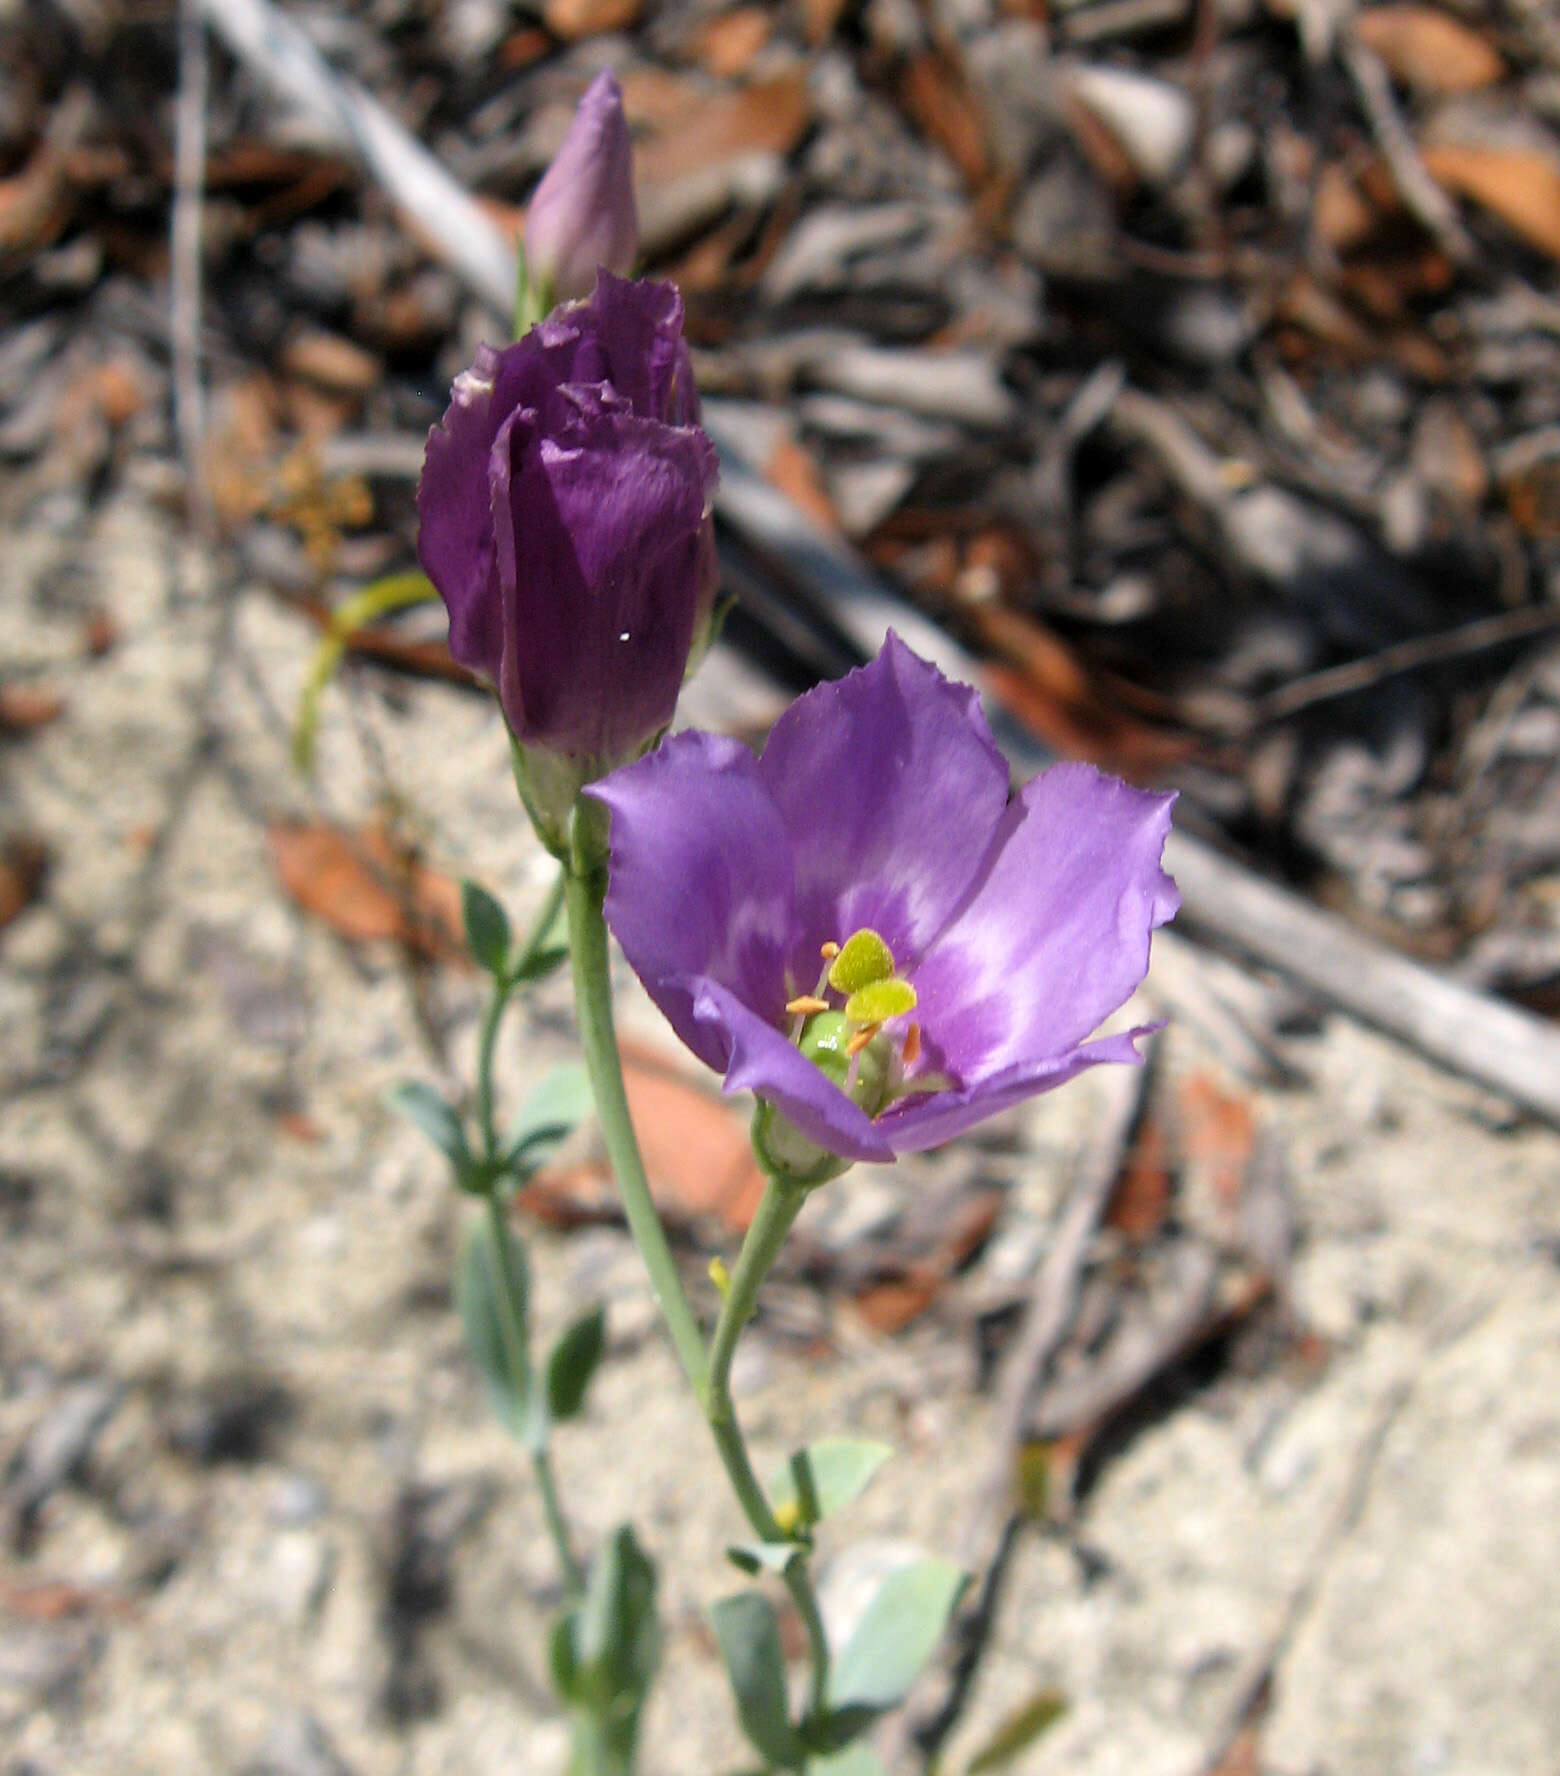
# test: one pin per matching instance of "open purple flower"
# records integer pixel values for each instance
(564, 518)
(860, 927)
(581, 217)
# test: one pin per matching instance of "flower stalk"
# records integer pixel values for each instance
(709, 1376)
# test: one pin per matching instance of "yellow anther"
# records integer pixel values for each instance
(808, 1002)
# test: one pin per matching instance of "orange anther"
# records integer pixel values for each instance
(829, 951)
(860, 1040)
(912, 1048)
(808, 1002)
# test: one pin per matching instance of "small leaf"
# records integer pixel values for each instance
(420, 1104)
(754, 1558)
(538, 966)
(895, 1638)
(618, 1643)
(1018, 1731)
(573, 1362)
(503, 1369)
(855, 1760)
(487, 929)
(840, 1468)
(749, 1636)
(563, 1658)
(561, 1100)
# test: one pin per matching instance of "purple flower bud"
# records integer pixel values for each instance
(862, 928)
(581, 217)
(564, 515)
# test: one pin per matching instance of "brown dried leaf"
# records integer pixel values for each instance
(765, 118)
(1428, 49)
(573, 19)
(25, 707)
(1217, 1131)
(23, 861)
(1518, 185)
(728, 44)
(941, 103)
(1141, 1199)
(331, 362)
(365, 890)
(822, 19)
(794, 470)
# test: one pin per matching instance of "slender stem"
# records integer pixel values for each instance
(507, 1287)
(777, 1211)
(547, 1485)
(546, 918)
(584, 895)
(492, 1018)
(497, 1002)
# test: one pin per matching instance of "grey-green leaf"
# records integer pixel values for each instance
(749, 1637)
(421, 1105)
(855, 1760)
(573, 1362)
(487, 929)
(839, 1469)
(539, 964)
(561, 1100)
(618, 1642)
(498, 1351)
(895, 1638)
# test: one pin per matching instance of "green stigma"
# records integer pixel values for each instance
(863, 961)
(880, 1000)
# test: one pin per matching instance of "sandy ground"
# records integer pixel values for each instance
(258, 1518)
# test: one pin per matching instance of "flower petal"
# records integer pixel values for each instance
(606, 520)
(1055, 936)
(700, 887)
(637, 325)
(892, 788)
(928, 1120)
(760, 1060)
(454, 529)
(581, 215)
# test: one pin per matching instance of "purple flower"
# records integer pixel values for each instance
(581, 217)
(564, 519)
(984, 939)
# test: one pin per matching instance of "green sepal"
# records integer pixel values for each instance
(572, 1362)
(422, 1106)
(505, 1374)
(749, 1636)
(488, 937)
(824, 1478)
(560, 1101)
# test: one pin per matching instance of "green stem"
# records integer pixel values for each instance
(547, 1486)
(777, 1211)
(710, 1378)
(584, 895)
(497, 1000)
